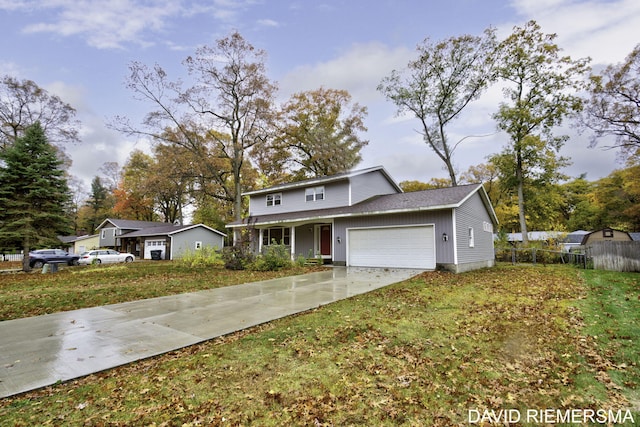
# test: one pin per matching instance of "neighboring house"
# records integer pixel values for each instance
(141, 237)
(173, 240)
(606, 234)
(111, 229)
(362, 218)
(86, 243)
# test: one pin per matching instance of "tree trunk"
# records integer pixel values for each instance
(452, 173)
(25, 258)
(521, 215)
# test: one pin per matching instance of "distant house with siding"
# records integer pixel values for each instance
(141, 237)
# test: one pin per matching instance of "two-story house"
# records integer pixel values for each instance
(363, 218)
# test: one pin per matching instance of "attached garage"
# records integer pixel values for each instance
(401, 247)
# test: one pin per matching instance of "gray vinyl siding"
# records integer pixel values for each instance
(185, 240)
(109, 239)
(336, 194)
(442, 221)
(304, 241)
(368, 185)
(473, 214)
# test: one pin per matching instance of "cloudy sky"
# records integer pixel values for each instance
(80, 51)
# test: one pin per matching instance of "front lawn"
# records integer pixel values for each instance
(32, 294)
(440, 349)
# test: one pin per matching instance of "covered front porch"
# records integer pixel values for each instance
(308, 240)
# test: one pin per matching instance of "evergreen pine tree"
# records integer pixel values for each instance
(33, 194)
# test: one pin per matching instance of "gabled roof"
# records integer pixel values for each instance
(586, 237)
(129, 224)
(168, 230)
(426, 200)
(323, 180)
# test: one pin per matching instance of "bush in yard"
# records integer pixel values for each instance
(237, 257)
(204, 257)
(275, 257)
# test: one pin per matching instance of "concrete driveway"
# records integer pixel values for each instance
(42, 350)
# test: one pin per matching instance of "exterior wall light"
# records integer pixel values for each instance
(445, 237)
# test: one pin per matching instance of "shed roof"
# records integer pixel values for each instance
(168, 230)
(129, 224)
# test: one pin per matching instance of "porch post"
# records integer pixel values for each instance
(293, 242)
(261, 233)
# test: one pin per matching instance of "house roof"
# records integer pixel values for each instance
(129, 224)
(575, 236)
(168, 230)
(324, 180)
(585, 238)
(426, 200)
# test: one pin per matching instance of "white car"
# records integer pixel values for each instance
(105, 256)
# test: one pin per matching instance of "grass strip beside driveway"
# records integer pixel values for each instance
(33, 294)
(423, 352)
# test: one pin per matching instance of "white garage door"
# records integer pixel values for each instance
(402, 247)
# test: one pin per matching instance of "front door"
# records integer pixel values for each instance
(325, 240)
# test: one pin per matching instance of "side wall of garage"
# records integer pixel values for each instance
(442, 222)
(473, 221)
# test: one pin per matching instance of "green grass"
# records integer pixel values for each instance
(421, 352)
(32, 294)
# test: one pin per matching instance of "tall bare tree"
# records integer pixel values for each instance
(226, 113)
(438, 86)
(23, 103)
(614, 106)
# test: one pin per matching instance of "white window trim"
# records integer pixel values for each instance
(311, 194)
(276, 199)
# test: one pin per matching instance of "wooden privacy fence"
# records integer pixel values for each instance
(615, 256)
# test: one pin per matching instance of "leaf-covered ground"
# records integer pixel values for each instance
(421, 352)
(33, 294)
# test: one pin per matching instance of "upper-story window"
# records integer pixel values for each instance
(274, 199)
(314, 193)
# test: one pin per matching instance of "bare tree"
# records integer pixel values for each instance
(23, 103)
(614, 106)
(437, 87)
(226, 113)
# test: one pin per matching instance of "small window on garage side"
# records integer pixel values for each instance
(198, 246)
(472, 242)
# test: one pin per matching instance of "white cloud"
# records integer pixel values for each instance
(606, 31)
(358, 70)
(104, 24)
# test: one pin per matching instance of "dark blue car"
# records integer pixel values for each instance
(43, 256)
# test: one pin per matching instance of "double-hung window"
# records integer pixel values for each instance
(274, 199)
(314, 193)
